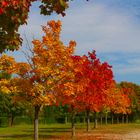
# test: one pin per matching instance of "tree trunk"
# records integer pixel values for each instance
(66, 119)
(117, 119)
(73, 122)
(106, 115)
(127, 118)
(12, 120)
(84, 119)
(88, 120)
(122, 118)
(112, 118)
(37, 109)
(95, 120)
(101, 118)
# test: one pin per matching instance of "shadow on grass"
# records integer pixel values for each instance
(53, 133)
(25, 136)
(15, 136)
(50, 130)
(53, 130)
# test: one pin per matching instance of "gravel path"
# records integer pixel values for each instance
(134, 135)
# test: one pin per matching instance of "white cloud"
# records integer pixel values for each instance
(104, 29)
(92, 26)
(95, 26)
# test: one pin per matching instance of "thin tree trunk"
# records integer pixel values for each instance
(117, 119)
(95, 120)
(37, 109)
(12, 120)
(88, 120)
(112, 118)
(101, 118)
(66, 119)
(9, 119)
(73, 122)
(122, 118)
(106, 115)
(84, 118)
(127, 118)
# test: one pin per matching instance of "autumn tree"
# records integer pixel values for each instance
(122, 102)
(48, 69)
(74, 89)
(110, 101)
(91, 80)
(96, 78)
(71, 90)
(133, 91)
(7, 68)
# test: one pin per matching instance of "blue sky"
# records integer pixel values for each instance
(111, 27)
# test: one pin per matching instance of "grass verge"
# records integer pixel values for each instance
(63, 132)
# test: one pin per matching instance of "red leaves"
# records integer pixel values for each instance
(4, 4)
(92, 55)
(93, 78)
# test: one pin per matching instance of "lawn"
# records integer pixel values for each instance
(63, 132)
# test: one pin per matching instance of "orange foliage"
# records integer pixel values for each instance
(40, 81)
(91, 81)
(122, 102)
(7, 64)
(7, 68)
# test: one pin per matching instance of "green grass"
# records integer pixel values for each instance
(62, 131)
(25, 132)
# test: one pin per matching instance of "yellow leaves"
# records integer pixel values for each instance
(7, 68)
(47, 99)
(51, 65)
(7, 64)
(5, 86)
(52, 28)
(4, 89)
(38, 89)
(22, 68)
